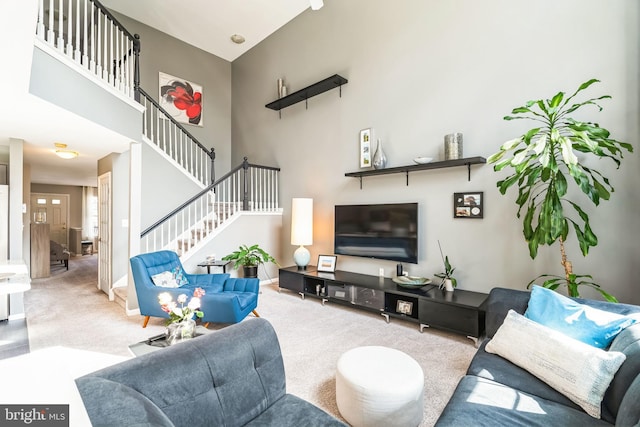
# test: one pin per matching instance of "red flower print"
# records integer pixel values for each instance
(182, 96)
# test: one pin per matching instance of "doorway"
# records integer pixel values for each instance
(104, 235)
(52, 209)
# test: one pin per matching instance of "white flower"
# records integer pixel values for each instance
(164, 298)
(182, 298)
(178, 311)
(194, 304)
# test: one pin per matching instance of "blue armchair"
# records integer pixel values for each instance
(226, 299)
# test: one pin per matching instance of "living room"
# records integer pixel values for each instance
(417, 72)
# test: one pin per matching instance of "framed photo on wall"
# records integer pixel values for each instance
(327, 263)
(468, 205)
(365, 148)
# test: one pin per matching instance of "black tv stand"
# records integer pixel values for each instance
(459, 311)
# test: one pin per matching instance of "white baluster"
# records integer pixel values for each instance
(105, 46)
(50, 33)
(69, 35)
(40, 28)
(111, 63)
(85, 45)
(60, 26)
(117, 65)
(99, 41)
(76, 42)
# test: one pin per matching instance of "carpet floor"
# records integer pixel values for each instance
(67, 309)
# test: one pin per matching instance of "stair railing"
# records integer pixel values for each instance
(247, 187)
(88, 34)
(174, 140)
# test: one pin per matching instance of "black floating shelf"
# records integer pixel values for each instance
(308, 92)
(412, 168)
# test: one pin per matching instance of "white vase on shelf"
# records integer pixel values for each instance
(379, 158)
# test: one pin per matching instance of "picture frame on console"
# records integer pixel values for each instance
(468, 205)
(327, 263)
(365, 148)
(404, 307)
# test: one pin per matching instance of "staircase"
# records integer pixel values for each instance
(93, 40)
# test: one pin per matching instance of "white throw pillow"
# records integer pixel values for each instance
(578, 370)
(165, 279)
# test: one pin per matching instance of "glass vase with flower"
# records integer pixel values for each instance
(181, 324)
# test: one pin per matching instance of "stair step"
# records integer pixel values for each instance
(120, 296)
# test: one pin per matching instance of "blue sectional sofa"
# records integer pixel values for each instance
(227, 300)
(232, 377)
(496, 392)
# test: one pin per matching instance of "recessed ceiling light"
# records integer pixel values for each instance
(63, 153)
(237, 39)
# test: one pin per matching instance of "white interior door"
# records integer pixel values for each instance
(52, 209)
(104, 234)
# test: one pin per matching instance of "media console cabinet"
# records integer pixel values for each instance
(459, 311)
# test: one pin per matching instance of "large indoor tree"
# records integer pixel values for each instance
(544, 163)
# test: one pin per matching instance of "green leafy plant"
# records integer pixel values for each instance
(249, 256)
(544, 163)
(448, 270)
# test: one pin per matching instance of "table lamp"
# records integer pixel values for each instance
(302, 230)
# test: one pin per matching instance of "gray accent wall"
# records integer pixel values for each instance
(420, 69)
(163, 53)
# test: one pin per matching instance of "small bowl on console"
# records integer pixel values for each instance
(423, 160)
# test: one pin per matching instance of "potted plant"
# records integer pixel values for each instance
(249, 257)
(448, 281)
(545, 164)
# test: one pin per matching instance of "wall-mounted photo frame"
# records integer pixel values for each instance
(327, 263)
(365, 148)
(468, 205)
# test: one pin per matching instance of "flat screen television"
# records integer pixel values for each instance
(382, 231)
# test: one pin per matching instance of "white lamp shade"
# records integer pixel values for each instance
(302, 221)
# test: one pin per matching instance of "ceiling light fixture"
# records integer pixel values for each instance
(237, 39)
(316, 4)
(63, 153)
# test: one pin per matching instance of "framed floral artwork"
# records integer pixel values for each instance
(182, 99)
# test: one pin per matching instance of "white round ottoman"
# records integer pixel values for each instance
(379, 386)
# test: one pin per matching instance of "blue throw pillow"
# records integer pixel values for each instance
(179, 276)
(587, 324)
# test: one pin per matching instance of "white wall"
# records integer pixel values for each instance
(263, 229)
(419, 69)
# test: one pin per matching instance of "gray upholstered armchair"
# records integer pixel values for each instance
(59, 254)
(233, 377)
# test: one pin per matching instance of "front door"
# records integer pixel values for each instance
(104, 234)
(52, 209)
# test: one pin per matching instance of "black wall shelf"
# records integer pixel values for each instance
(413, 168)
(335, 81)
